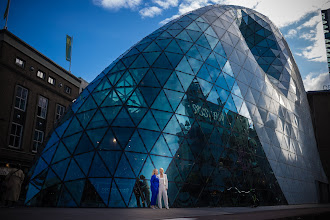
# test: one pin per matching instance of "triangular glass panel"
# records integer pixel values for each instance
(74, 127)
(84, 161)
(140, 62)
(123, 135)
(174, 47)
(194, 53)
(174, 58)
(73, 172)
(102, 187)
(150, 80)
(162, 75)
(71, 141)
(135, 144)
(161, 148)
(221, 82)
(194, 35)
(173, 127)
(185, 80)
(147, 168)
(111, 159)
(136, 113)
(162, 43)
(96, 135)
(174, 98)
(149, 138)
(162, 62)
(205, 86)
(97, 121)
(98, 168)
(149, 94)
(230, 105)
(111, 100)
(136, 160)
(76, 188)
(124, 93)
(103, 85)
(128, 60)
(184, 66)
(124, 169)
(148, 122)
(84, 145)
(173, 142)
(162, 118)
(203, 52)
(115, 197)
(152, 47)
(126, 187)
(88, 105)
(204, 74)
(202, 41)
(151, 57)
(60, 168)
(230, 81)
(184, 152)
(65, 199)
(109, 142)
(100, 96)
(136, 99)
(184, 36)
(110, 113)
(138, 74)
(214, 97)
(193, 26)
(184, 45)
(219, 49)
(161, 162)
(161, 103)
(61, 153)
(126, 80)
(211, 60)
(114, 77)
(123, 119)
(173, 83)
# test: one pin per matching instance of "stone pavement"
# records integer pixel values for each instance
(263, 212)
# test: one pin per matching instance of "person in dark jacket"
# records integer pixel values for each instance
(154, 185)
(145, 190)
(137, 192)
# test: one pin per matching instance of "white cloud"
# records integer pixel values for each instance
(117, 4)
(166, 3)
(150, 12)
(291, 33)
(316, 51)
(314, 82)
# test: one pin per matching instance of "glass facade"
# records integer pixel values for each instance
(213, 97)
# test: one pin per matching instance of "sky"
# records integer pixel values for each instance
(104, 29)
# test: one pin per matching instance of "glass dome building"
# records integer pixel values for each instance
(214, 97)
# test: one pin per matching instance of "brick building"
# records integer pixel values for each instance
(34, 94)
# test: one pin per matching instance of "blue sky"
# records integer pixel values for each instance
(104, 29)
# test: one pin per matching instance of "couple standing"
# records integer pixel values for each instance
(159, 186)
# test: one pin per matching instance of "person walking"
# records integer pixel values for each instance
(137, 192)
(163, 186)
(145, 190)
(154, 185)
(14, 180)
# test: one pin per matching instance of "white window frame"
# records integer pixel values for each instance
(68, 90)
(21, 98)
(51, 80)
(37, 143)
(57, 115)
(43, 106)
(41, 74)
(19, 62)
(16, 135)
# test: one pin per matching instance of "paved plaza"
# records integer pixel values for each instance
(263, 212)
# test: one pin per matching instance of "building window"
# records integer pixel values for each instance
(67, 90)
(37, 140)
(42, 107)
(19, 62)
(51, 80)
(21, 98)
(41, 75)
(15, 135)
(60, 109)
